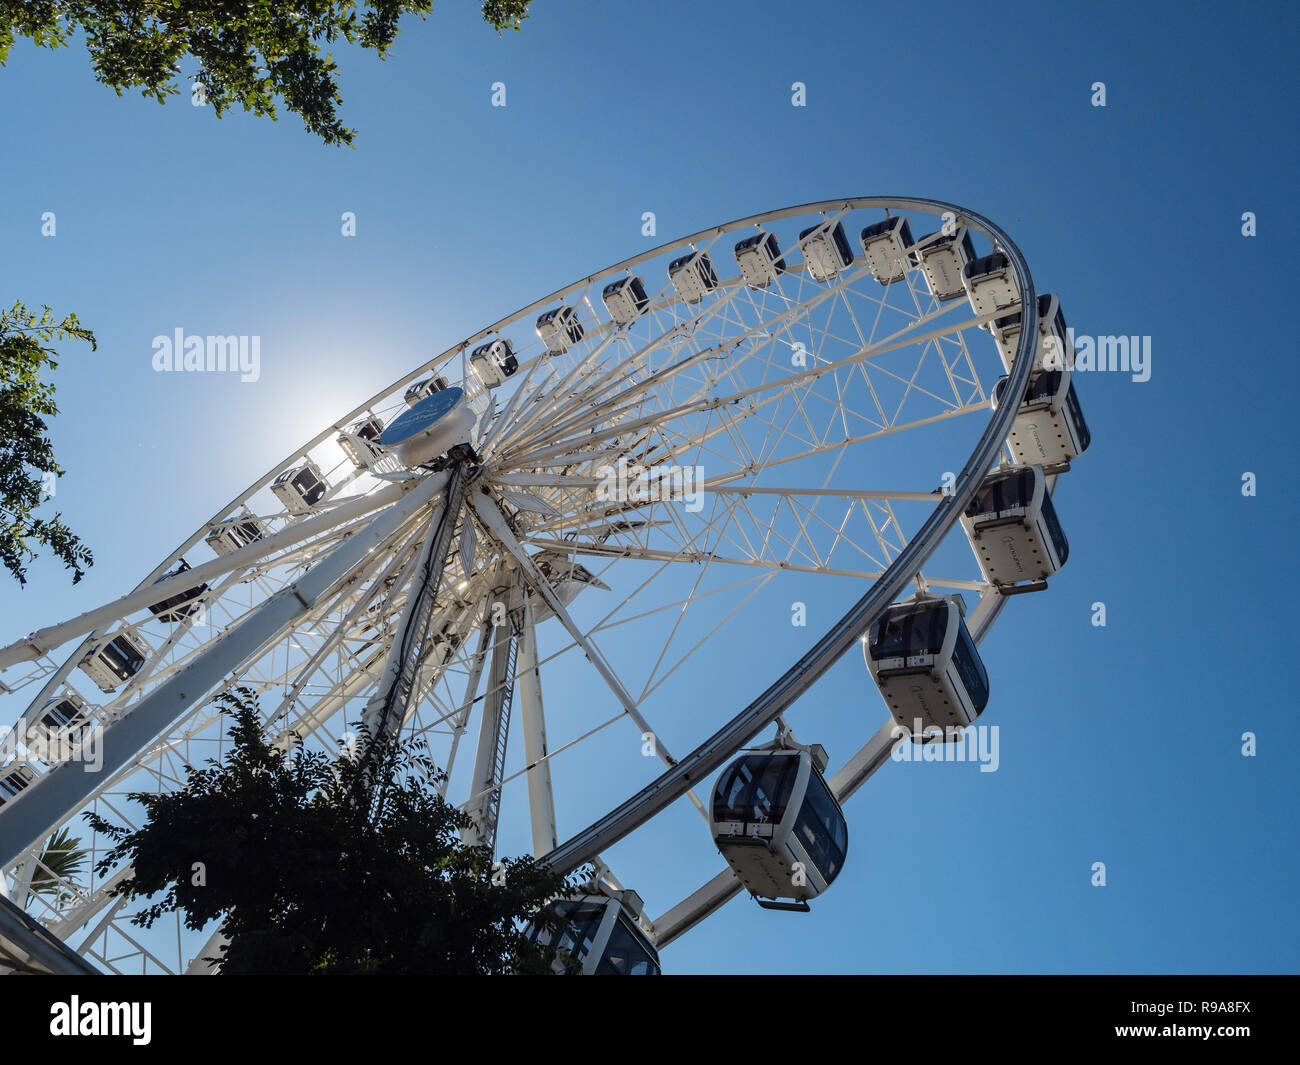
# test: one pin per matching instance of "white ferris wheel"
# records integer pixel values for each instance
(527, 547)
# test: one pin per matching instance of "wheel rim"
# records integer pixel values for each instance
(711, 381)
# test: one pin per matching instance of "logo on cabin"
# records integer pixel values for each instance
(1009, 542)
(1039, 446)
(918, 693)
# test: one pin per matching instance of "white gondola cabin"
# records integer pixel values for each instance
(1049, 429)
(760, 260)
(990, 283)
(779, 827)
(600, 935)
(181, 605)
(693, 276)
(886, 246)
(360, 441)
(112, 664)
(826, 251)
(300, 488)
(625, 299)
(942, 261)
(1013, 527)
(493, 362)
(1055, 351)
(236, 532)
(423, 389)
(925, 663)
(559, 329)
(14, 780)
(59, 726)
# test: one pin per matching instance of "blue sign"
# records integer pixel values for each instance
(420, 418)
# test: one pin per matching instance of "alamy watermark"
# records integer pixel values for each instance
(628, 483)
(974, 743)
(1130, 355)
(211, 354)
(85, 746)
(122, 1019)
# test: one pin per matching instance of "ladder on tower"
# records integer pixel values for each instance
(388, 707)
(502, 739)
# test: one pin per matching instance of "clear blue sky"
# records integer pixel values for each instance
(1119, 744)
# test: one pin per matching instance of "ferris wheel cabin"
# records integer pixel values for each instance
(926, 665)
(423, 389)
(601, 935)
(360, 441)
(1049, 429)
(942, 261)
(625, 299)
(114, 663)
(1055, 351)
(62, 722)
(181, 605)
(693, 276)
(240, 531)
(779, 827)
(494, 362)
(14, 780)
(559, 329)
(760, 260)
(300, 488)
(990, 283)
(826, 251)
(1013, 527)
(886, 247)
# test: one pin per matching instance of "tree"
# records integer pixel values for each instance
(27, 467)
(319, 865)
(251, 54)
(60, 860)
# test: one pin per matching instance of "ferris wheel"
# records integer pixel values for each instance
(524, 552)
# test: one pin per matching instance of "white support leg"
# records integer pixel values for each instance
(541, 800)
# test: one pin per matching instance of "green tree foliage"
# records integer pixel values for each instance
(251, 53)
(27, 466)
(319, 865)
(60, 860)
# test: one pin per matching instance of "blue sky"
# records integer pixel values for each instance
(1120, 744)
